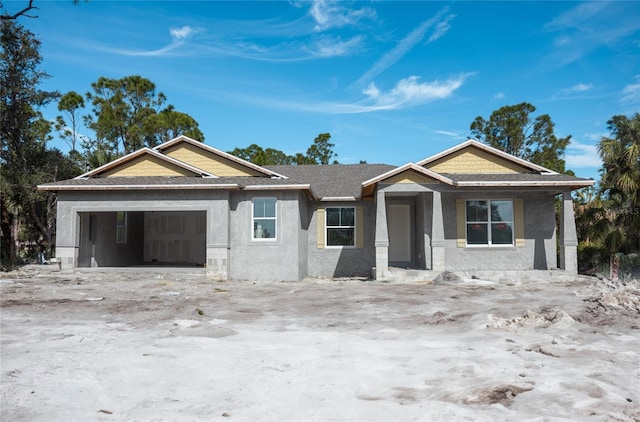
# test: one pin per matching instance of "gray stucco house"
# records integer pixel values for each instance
(184, 203)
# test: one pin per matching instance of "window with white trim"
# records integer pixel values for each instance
(489, 222)
(263, 218)
(340, 226)
(121, 227)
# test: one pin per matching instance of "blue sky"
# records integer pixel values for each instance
(392, 82)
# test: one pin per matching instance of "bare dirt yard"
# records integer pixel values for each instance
(83, 346)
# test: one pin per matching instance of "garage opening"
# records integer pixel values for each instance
(142, 238)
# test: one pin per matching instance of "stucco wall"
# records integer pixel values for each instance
(539, 251)
(71, 204)
(280, 259)
(342, 262)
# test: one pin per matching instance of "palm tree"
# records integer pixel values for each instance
(616, 223)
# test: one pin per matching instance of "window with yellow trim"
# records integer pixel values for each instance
(489, 222)
(340, 226)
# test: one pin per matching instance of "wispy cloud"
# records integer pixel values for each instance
(335, 14)
(567, 93)
(411, 91)
(631, 93)
(498, 95)
(452, 134)
(441, 29)
(183, 32)
(268, 40)
(582, 155)
(590, 25)
(179, 36)
(594, 136)
(406, 93)
(574, 17)
(334, 46)
(403, 47)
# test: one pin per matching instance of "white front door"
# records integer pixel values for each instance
(399, 226)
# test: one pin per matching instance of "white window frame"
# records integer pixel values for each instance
(327, 227)
(274, 218)
(488, 223)
(121, 229)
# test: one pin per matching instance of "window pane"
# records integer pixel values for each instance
(121, 227)
(501, 234)
(477, 234)
(264, 228)
(340, 237)
(333, 216)
(348, 217)
(477, 211)
(501, 211)
(270, 207)
(264, 207)
(120, 218)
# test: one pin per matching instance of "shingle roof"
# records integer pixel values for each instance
(334, 180)
(518, 178)
(161, 181)
(324, 181)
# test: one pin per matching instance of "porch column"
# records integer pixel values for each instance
(568, 237)
(67, 236)
(218, 238)
(382, 238)
(437, 234)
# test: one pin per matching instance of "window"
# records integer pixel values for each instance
(340, 226)
(121, 227)
(489, 222)
(264, 218)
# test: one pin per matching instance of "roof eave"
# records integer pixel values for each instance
(338, 199)
(55, 188)
(571, 183)
(221, 153)
(490, 150)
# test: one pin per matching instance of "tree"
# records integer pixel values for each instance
(262, 157)
(620, 183)
(120, 110)
(608, 219)
(169, 124)
(5, 15)
(512, 130)
(320, 152)
(127, 114)
(71, 104)
(24, 157)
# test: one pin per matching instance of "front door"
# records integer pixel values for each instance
(399, 227)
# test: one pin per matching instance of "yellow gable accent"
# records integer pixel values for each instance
(474, 160)
(147, 165)
(409, 176)
(208, 161)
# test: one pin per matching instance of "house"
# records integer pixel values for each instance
(184, 203)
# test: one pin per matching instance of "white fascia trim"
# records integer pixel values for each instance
(277, 187)
(141, 152)
(582, 183)
(220, 153)
(489, 149)
(409, 166)
(338, 199)
(137, 187)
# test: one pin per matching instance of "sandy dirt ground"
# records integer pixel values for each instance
(149, 346)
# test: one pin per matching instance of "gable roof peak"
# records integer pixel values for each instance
(212, 150)
(491, 150)
(139, 153)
